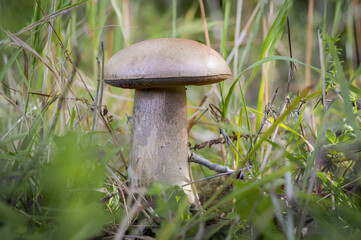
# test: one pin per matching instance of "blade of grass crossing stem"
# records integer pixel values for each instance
(351, 118)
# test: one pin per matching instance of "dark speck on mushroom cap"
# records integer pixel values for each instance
(165, 62)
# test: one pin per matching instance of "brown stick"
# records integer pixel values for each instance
(201, 6)
(195, 158)
(309, 41)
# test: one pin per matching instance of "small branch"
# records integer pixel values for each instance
(201, 160)
(195, 158)
(309, 41)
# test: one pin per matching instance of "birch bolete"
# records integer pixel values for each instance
(159, 70)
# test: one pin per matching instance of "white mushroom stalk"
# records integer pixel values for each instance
(159, 70)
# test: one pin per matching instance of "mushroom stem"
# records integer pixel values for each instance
(158, 148)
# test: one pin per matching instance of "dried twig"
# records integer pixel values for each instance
(239, 175)
(309, 41)
(195, 158)
(217, 113)
(203, 14)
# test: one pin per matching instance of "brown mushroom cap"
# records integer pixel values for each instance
(165, 62)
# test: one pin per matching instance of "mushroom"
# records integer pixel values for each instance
(159, 70)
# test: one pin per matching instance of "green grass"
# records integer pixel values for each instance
(64, 138)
